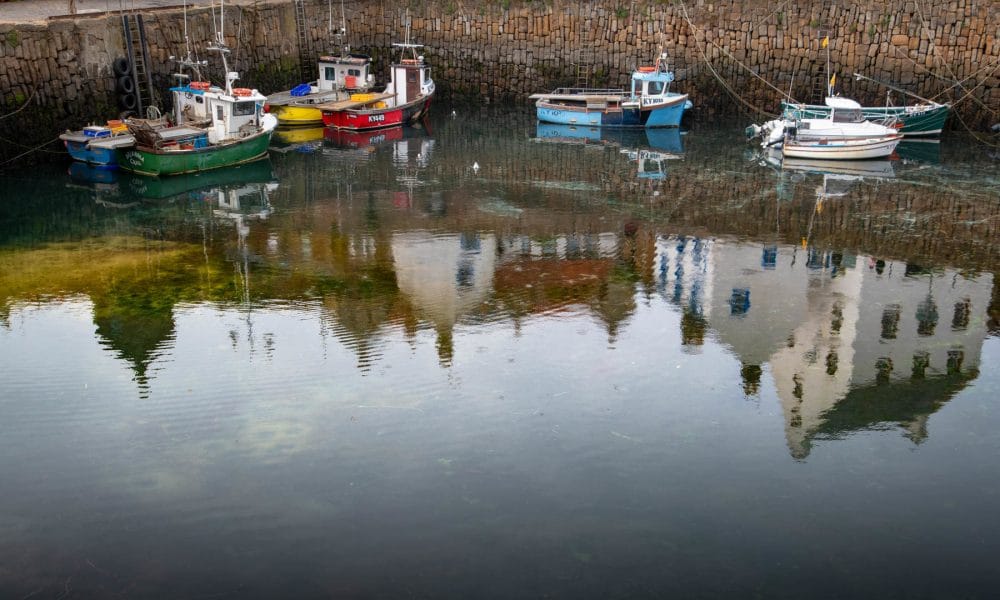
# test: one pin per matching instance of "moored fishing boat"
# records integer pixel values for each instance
(648, 103)
(238, 130)
(339, 78)
(916, 120)
(405, 99)
(98, 145)
(843, 134)
(95, 144)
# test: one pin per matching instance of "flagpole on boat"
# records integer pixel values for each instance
(829, 81)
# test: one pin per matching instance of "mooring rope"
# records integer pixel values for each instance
(722, 81)
(29, 151)
(22, 107)
(957, 83)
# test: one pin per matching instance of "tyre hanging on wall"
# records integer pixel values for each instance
(128, 101)
(121, 67)
(125, 84)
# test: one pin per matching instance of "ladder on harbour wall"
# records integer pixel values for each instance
(584, 67)
(300, 26)
(137, 52)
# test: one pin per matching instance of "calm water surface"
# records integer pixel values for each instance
(596, 366)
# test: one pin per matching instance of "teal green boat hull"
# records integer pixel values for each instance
(149, 161)
(923, 122)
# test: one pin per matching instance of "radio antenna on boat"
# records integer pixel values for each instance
(340, 37)
(220, 47)
(187, 61)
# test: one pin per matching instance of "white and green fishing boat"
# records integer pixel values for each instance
(925, 118)
(916, 119)
(237, 130)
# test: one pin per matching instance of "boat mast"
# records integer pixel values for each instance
(829, 81)
(220, 47)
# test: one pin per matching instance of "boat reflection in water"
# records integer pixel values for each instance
(239, 189)
(921, 151)
(297, 139)
(650, 149)
(368, 141)
(838, 177)
(196, 184)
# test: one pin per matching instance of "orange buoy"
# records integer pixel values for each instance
(647, 69)
(199, 85)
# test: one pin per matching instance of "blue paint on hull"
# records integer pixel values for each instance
(82, 152)
(668, 115)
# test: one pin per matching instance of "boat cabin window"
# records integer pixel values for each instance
(219, 114)
(425, 76)
(655, 87)
(411, 75)
(847, 115)
(355, 72)
(199, 99)
(242, 109)
(331, 74)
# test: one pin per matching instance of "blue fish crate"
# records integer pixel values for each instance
(96, 131)
(301, 90)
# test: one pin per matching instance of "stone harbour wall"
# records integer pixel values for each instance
(731, 56)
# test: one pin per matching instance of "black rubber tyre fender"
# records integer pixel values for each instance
(128, 101)
(121, 66)
(125, 84)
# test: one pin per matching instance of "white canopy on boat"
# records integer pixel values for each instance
(837, 102)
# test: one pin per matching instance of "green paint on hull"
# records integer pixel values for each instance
(928, 122)
(146, 161)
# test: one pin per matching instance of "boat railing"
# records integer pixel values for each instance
(587, 91)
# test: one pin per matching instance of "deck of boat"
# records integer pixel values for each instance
(579, 97)
(349, 104)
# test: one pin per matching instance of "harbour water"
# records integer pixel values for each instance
(483, 358)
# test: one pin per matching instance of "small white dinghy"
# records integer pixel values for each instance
(840, 149)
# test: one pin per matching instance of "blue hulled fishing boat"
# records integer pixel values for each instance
(648, 103)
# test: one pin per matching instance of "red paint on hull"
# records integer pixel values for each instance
(378, 118)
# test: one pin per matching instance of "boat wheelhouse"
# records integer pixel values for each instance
(339, 78)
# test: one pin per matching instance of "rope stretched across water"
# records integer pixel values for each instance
(29, 151)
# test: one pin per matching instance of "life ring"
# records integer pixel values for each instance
(646, 69)
(199, 85)
(242, 91)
